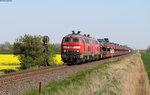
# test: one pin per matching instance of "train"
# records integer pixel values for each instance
(77, 48)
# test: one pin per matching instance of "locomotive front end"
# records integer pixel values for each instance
(71, 48)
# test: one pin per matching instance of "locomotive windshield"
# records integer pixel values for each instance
(67, 40)
(75, 40)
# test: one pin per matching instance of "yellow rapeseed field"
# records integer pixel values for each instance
(9, 67)
(57, 59)
(9, 58)
(11, 62)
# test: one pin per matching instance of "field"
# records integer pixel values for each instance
(146, 60)
(10, 62)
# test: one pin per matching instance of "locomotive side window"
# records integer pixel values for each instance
(67, 40)
(76, 40)
(87, 40)
(97, 49)
(89, 49)
(96, 43)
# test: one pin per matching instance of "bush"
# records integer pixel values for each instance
(30, 50)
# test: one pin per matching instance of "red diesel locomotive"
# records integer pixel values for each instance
(77, 48)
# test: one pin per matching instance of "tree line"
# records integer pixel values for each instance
(148, 49)
(6, 47)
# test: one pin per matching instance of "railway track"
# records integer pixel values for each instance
(26, 74)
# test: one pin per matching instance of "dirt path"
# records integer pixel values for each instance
(134, 79)
(124, 77)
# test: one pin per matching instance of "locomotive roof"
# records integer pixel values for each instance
(79, 35)
(74, 35)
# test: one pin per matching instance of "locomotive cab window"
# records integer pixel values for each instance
(67, 40)
(87, 40)
(75, 40)
(96, 42)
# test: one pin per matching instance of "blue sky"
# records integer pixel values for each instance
(122, 21)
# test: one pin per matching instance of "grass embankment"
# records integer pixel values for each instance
(146, 60)
(123, 77)
(82, 83)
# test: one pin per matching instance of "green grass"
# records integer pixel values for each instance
(4, 71)
(146, 60)
(1, 72)
(6, 52)
(9, 64)
(80, 81)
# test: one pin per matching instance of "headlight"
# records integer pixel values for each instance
(65, 46)
(76, 47)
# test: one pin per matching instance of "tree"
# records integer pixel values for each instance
(30, 50)
(52, 54)
(148, 49)
(57, 48)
